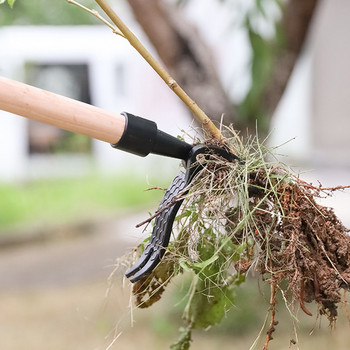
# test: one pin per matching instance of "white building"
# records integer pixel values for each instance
(87, 63)
(314, 110)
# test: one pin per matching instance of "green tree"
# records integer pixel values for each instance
(44, 12)
(10, 2)
(273, 58)
(189, 59)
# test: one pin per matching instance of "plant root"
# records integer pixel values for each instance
(308, 247)
(254, 216)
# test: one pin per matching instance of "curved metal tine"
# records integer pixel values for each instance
(141, 261)
(157, 246)
(163, 224)
(151, 263)
(156, 243)
(161, 232)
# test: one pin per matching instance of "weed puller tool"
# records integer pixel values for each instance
(125, 132)
(155, 249)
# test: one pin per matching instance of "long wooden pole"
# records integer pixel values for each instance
(63, 112)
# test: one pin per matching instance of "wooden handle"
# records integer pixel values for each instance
(60, 111)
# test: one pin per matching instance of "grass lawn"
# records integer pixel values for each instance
(63, 200)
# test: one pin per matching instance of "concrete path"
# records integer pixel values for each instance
(69, 261)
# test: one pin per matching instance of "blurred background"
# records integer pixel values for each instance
(69, 204)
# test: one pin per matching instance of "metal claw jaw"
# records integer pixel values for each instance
(161, 233)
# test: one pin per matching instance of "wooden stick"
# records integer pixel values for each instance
(201, 117)
(60, 111)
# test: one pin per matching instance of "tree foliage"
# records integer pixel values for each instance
(276, 32)
(43, 12)
(10, 2)
(265, 49)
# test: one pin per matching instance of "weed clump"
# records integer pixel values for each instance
(255, 216)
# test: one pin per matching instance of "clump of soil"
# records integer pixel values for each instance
(306, 244)
(253, 215)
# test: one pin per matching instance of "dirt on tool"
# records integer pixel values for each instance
(253, 215)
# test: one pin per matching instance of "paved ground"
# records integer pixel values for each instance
(69, 261)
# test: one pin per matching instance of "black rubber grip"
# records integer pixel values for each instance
(142, 137)
(139, 135)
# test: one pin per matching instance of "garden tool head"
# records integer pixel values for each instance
(142, 137)
(126, 132)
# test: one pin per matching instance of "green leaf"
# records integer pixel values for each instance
(184, 342)
(36, 12)
(260, 7)
(194, 217)
(240, 279)
(204, 264)
(179, 137)
(184, 266)
(209, 304)
(185, 214)
(261, 68)
(232, 251)
(2, 1)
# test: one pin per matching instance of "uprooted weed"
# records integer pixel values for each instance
(252, 215)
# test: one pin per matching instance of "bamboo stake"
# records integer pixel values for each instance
(199, 114)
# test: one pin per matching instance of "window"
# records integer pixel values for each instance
(71, 80)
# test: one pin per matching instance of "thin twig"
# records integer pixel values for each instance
(98, 16)
(199, 114)
(161, 209)
(156, 188)
(273, 322)
(319, 188)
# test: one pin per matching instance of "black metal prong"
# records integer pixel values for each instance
(161, 232)
(152, 262)
(169, 206)
(140, 262)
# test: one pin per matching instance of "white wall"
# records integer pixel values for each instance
(13, 147)
(290, 129)
(331, 84)
(138, 90)
(304, 113)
